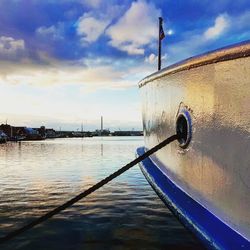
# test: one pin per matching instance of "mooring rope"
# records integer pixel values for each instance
(85, 193)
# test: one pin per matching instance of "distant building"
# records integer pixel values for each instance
(11, 131)
(6, 129)
(19, 131)
(127, 133)
(50, 133)
(3, 137)
(28, 133)
(104, 132)
(16, 133)
(42, 131)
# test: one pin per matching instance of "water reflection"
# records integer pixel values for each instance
(101, 149)
(37, 176)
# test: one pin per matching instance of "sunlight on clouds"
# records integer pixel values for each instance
(64, 94)
(135, 29)
(100, 76)
(220, 26)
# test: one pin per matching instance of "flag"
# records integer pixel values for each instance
(162, 35)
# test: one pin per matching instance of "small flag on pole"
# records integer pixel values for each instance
(162, 35)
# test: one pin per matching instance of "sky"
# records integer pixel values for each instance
(68, 62)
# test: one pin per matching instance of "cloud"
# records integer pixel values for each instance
(152, 58)
(220, 26)
(56, 73)
(10, 46)
(90, 28)
(135, 29)
(198, 42)
(226, 29)
(53, 32)
(92, 3)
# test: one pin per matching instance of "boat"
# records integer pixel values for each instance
(204, 177)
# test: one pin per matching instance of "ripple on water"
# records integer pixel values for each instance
(125, 214)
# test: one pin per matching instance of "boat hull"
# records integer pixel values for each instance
(192, 214)
(213, 91)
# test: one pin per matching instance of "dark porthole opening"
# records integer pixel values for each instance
(183, 131)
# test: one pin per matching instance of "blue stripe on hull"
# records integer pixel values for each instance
(209, 228)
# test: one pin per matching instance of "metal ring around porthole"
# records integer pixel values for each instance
(184, 128)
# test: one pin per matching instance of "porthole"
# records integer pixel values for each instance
(184, 129)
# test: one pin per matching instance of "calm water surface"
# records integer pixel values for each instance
(125, 214)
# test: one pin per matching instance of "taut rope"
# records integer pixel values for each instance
(85, 193)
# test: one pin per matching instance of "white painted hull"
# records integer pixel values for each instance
(215, 167)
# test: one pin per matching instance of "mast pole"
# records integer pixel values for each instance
(159, 43)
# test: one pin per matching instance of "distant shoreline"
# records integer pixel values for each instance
(13, 133)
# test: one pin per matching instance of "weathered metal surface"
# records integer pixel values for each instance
(215, 168)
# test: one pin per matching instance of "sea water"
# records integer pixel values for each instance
(37, 176)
